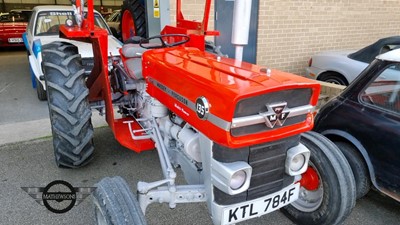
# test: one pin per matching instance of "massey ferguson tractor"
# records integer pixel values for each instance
(239, 132)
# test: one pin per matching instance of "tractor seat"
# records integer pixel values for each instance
(133, 63)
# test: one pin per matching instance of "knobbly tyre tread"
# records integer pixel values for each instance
(358, 166)
(69, 109)
(116, 203)
(338, 182)
(138, 13)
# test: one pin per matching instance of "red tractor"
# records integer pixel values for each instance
(239, 132)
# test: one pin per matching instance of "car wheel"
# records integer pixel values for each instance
(133, 22)
(69, 109)
(358, 166)
(115, 204)
(327, 193)
(41, 93)
(335, 78)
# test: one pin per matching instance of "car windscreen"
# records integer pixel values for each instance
(48, 23)
(15, 17)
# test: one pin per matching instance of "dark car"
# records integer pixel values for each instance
(364, 121)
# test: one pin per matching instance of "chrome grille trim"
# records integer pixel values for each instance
(257, 119)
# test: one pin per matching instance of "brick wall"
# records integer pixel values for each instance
(192, 10)
(291, 31)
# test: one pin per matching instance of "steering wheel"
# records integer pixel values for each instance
(164, 44)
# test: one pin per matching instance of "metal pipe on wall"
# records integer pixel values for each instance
(241, 26)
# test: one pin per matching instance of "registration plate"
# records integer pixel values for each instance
(260, 206)
(15, 40)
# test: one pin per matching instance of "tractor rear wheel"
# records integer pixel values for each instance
(328, 195)
(70, 113)
(133, 20)
(115, 204)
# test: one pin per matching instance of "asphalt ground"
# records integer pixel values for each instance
(31, 164)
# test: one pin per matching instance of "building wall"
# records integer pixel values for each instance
(291, 31)
(7, 5)
(192, 10)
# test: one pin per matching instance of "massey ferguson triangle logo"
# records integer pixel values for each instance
(276, 114)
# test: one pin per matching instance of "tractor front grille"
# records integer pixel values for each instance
(256, 105)
(268, 163)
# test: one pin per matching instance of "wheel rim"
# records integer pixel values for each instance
(100, 218)
(310, 199)
(128, 26)
(334, 81)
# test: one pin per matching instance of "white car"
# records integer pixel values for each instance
(43, 28)
(342, 67)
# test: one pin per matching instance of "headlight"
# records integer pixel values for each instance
(297, 160)
(232, 178)
(238, 179)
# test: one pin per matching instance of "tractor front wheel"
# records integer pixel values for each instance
(115, 204)
(327, 193)
(69, 109)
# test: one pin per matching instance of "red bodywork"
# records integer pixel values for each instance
(190, 72)
(197, 31)
(11, 33)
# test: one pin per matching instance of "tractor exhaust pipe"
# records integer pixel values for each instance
(241, 26)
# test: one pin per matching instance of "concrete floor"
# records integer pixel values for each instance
(31, 163)
(18, 100)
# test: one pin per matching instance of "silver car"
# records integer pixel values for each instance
(342, 67)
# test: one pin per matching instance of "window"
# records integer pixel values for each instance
(48, 23)
(114, 17)
(16, 16)
(384, 91)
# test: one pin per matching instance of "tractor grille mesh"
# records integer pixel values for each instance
(268, 163)
(255, 105)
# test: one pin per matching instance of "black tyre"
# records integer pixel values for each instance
(358, 166)
(334, 197)
(41, 93)
(133, 20)
(69, 109)
(335, 78)
(115, 204)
